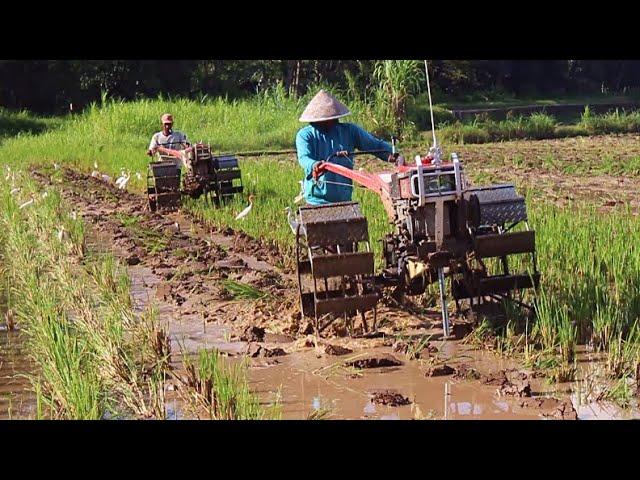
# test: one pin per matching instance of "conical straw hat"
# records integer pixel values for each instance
(322, 107)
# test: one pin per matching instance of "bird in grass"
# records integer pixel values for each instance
(10, 320)
(14, 191)
(62, 234)
(300, 196)
(95, 165)
(293, 222)
(123, 179)
(246, 211)
(138, 175)
(26, 204)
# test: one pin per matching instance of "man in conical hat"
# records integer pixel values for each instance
(324, 136)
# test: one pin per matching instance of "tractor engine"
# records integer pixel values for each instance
(441, 222)
(442, 227)
(217, 178)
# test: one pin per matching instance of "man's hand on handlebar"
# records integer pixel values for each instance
(317, 170)
(150, 152)
(396, 158)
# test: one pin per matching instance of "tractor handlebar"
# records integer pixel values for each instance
(319, 170)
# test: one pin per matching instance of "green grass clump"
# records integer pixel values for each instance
(612, 122)
(242, 291)
(222, 389)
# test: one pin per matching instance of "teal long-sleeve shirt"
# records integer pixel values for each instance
(315, 145)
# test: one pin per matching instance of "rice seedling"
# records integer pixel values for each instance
(238, 290)
(222, 389)
(322, 413)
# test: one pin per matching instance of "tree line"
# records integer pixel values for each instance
(51, 86)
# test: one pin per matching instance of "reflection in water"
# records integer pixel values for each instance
(464, 408)
(370, 408)
(393, 416)
(446, 401)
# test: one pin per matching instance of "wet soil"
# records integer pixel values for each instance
(180, 266)
(17, 399)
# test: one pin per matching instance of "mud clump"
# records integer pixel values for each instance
(400, 347)
(337, 350)
(274, 352)
(498, 379)
(389, 398)
(375, 362)
(440, 371)
(307, 342)
(252, 334)
(133, 260)
(564, 411)
(254, 351)
(461, 330)
(465, 372)
(520, 388)
(306, 328)
(413, 351)
(514, 384)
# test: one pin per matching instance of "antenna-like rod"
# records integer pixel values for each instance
(433, 125)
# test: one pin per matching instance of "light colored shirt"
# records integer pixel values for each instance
(174, 141)
(315, 145)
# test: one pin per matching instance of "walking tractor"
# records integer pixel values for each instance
(442, 227)
(217, 178)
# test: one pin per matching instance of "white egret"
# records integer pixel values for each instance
(246, 211)
(26, 204)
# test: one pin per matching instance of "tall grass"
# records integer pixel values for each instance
(91, 351)
(538, 126)
(613, 122)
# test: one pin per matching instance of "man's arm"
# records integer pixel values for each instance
(153, 145)
(305, 154)
(366, 141)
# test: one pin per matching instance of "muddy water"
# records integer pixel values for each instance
(17, 400)
(304, 388)
(307, 383)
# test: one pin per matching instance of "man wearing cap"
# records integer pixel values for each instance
(167, 137)
(325, 136)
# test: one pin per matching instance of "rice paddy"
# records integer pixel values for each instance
(93, 352)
